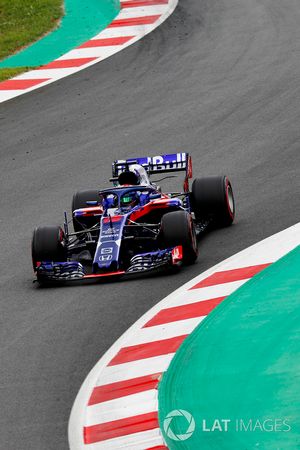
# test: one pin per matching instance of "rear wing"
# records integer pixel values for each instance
(174, 162)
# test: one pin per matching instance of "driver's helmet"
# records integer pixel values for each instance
(135, 175)
(129, 177)
(129, 199)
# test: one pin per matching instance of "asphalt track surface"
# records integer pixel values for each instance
(219, 79)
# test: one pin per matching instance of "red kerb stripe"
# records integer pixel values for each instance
(160, 447)
(228, 276)
(123, 388)
(148, 350)
(122, 427)
(10, 85)
(106, 42)
(66, 63)
(134, 21)
(183, 312)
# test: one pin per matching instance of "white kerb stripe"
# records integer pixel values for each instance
(130, 30)
(78, 53)
(134, 369)
(165, 331)
(120, 408)
(205, 293)
(141, 11)
(47, 73)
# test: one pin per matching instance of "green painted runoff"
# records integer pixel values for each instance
(82, 21)
(238, 373)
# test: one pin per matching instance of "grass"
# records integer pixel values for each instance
(5, 74)
(23, 22)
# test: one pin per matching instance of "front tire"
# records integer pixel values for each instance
(177, 228)
(48, 244)
(212, 198)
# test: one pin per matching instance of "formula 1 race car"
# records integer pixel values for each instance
(133, 227)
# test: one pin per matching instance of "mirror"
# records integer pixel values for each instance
(92, 203)
(154, 196)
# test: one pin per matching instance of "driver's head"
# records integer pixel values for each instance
(129, 177)
(130, 199)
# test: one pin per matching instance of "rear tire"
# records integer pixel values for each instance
(177, 228)
(79, 201)
(48, 245)
(212, 197)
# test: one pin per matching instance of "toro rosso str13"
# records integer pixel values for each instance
(133, 227)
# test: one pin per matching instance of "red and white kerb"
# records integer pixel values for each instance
(117, 406)
(136, 19)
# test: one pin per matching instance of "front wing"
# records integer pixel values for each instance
(141, 263)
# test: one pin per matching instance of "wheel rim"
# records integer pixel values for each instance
(193, 237)
(230, 199)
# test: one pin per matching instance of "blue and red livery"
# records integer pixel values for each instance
(133, 227)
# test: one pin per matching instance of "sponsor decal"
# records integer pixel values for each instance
(106, 250)
(109, 232)
(105, 257)
(172, 161)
